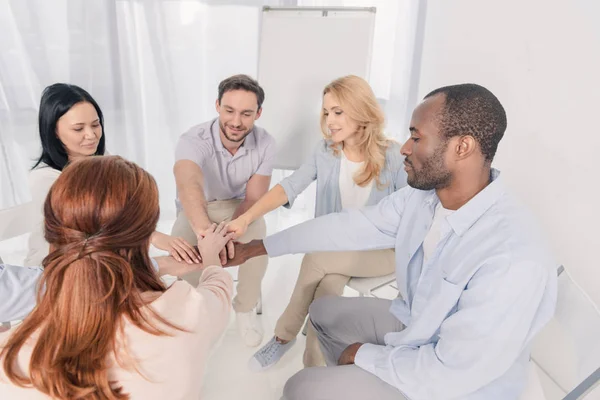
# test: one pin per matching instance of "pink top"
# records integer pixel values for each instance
(174, 365)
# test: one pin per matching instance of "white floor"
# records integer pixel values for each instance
(228, 376)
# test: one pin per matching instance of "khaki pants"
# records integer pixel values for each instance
(250, 273)
(324, 274)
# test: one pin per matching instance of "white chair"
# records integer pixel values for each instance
(565, 357)
(14, 221)
(366, 286)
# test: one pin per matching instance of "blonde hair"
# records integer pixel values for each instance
(358, 101)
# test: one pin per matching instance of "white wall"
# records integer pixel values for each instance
(542, 59)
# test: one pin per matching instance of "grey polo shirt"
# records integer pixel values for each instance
(225, 176)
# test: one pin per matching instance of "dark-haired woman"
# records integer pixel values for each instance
(71, 126)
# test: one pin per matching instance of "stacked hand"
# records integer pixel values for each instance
(177, 247)
(214, 244)
(227, 250)
(238, 227)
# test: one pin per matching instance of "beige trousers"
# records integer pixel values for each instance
(324, 274)
(250, 273)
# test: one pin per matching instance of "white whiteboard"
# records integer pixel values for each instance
(302, 49)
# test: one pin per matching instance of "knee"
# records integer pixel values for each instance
(256, 230)
(298, 387)
(319, 310)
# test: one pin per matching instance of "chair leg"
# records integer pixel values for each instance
(259, 305)
(305, 326)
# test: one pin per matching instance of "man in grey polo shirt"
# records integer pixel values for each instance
(221, 168)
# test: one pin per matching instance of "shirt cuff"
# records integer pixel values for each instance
(366, 357)
(274, 245)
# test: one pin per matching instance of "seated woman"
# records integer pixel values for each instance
(105, 326)
(354, 165)
(71, 126)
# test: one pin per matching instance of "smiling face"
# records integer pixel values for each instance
(340, 126)
(426, 150)
(237, 110)
(79, 130)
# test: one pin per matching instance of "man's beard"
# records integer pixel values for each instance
(224, 130)
(433, 174)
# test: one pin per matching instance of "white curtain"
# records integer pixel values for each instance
(154, 66)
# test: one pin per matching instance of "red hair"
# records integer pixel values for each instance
(99, 216)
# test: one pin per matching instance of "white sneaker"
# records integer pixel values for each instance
(269, 354)
(250, 328)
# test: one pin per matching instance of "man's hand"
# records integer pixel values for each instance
(349, 353)
(246, 251)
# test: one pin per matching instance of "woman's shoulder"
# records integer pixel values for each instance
(43, 173)
(324, 149)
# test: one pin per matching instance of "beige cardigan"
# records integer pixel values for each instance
(174, 365)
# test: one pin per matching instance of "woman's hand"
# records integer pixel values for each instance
(177, 247)
(213, 241)
(238, 227)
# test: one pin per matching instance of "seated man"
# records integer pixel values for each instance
(476, 281)
(222, 167)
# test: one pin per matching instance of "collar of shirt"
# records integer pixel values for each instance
(461, 220)
(249, 141)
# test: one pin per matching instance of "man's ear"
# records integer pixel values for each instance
(465, 146)
(217, 106)
(258, 113)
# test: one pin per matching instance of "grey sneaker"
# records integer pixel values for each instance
(269, 354)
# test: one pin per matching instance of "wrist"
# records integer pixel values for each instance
(257, 248)
(154, 237)
(210, 261)
(201, 227)
(247, 218)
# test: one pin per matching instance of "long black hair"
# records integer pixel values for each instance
(56, 100)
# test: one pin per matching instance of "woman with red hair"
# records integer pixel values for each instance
(105, 326)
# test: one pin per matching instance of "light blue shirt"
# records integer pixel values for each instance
(18, 290)
(18, 287)
(470, 312)
(324, 167)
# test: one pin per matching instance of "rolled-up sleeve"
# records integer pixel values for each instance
(498, 313)
(18, 289)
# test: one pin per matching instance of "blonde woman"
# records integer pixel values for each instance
(355, 165)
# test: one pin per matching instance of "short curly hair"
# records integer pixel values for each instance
(470, 109)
